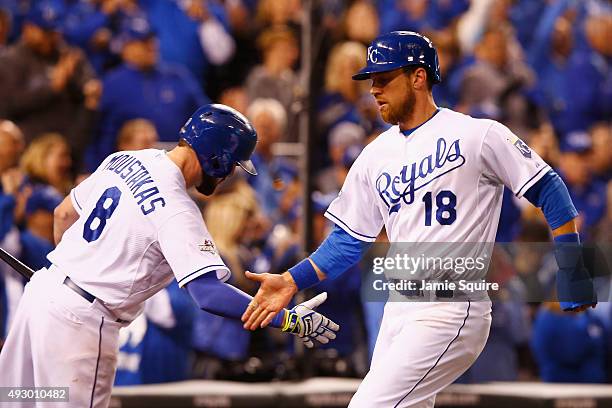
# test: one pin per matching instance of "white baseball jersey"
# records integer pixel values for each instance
(441, 183)
(137, 226)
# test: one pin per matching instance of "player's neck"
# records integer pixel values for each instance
(423, 110)
(186, 160)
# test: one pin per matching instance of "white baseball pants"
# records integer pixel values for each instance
(422, 348)
(59, 339)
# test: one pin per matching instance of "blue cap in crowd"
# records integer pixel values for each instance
(135, 29)
(47, 14)
(576, 142)
(43, 198)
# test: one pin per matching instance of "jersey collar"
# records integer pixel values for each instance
(408, 132)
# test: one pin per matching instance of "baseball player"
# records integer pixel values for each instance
(435, 176)
(122, 235)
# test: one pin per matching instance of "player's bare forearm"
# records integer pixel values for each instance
(64, 216)
(567, 228)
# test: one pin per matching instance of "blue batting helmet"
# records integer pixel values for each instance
(399, 49)
(221, 137)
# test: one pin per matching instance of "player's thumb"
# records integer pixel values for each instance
(257, 277)
(315, 301)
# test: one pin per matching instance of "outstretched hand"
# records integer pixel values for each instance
(275, 292)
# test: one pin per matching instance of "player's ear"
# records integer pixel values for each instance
(419, 80)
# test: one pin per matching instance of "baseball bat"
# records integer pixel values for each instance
(16, 264)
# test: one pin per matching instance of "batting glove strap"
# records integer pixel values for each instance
(292, 322)
(309, 325)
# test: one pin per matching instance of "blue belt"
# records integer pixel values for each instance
(85, 294)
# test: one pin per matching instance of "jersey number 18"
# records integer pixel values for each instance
(446, 201)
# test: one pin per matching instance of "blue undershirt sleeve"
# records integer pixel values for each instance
(222, 299)
(550, 194)
(338, 252)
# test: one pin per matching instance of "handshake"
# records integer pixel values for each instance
(301, 320)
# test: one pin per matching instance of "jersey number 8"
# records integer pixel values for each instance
(105, 207)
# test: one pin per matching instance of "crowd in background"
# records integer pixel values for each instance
(80, 79)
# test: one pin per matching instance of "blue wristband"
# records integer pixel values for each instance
(569, 238)
(304, 274)
(574, 283)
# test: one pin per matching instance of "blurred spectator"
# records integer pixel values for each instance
(339, 358)
(492, 86)
(44, 84)
(156, 347)
(235, 97)
(11, 284)
(137, 134)
(559, 60)
(275, 77)
(588, 194)
(543, 141)
(345, 100)
(89, 25)
(143, 88)
(346, 140)
(419, 15)
(37, 237)
(274, 174)
(361, 22)
(598, 29)
(499, 361)
(601, 160)
(274, 12)
(569, 347)
(524, 15)
(192, 33)
(534, 264)
(447, 92)
(603, 231)
(46, 161)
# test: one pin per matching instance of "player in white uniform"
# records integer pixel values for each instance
(436, 176)
(123, 234)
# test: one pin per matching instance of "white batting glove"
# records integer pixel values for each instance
(309, 325)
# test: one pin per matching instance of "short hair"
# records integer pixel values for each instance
(126, 133)
(274, 34)
(271, 106)
(340, 53)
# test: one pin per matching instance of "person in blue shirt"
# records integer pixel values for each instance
(141, 87)
(275, 174)
(89, 25)
(37, 237)
(193, 33)
(569, 348)
(559, 54)
(419, 15)
(587, 192)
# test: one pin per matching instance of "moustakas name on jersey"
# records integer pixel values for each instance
(157, 230)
